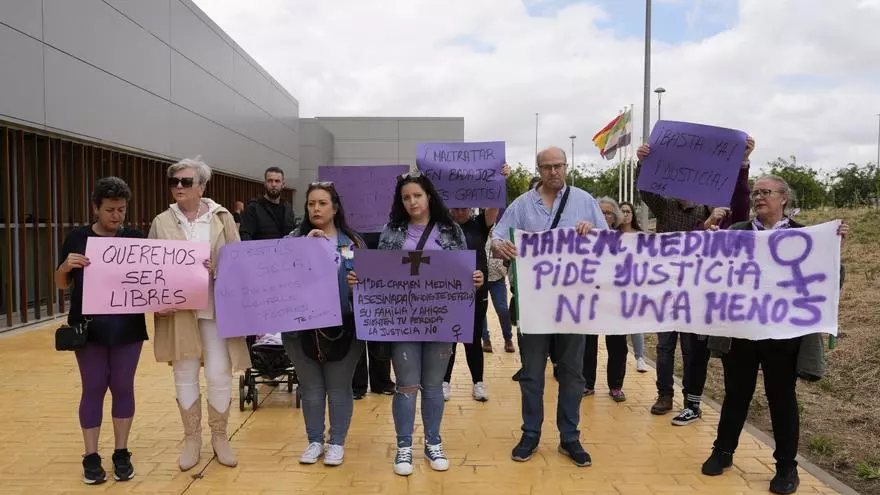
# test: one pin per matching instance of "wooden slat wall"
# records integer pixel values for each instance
(47, 183)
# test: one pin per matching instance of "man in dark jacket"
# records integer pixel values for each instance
(268, 217)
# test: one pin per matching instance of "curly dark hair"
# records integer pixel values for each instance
(110, 188)
(307, 226)
(437, 210)
(635, 218)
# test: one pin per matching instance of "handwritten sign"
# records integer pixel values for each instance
(693, 162)
(425, 296)
(144, 275)
(466, 175)
(775, 284)
(277, 285)
(366, 192)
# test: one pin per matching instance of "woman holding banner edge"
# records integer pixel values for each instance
(327, 378)
(419, 220)
(780, 359)
(188, 339)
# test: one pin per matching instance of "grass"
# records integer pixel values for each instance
(843, 409)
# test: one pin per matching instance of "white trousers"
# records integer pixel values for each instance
(218, 371)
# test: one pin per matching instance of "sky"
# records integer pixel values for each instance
(801, 76)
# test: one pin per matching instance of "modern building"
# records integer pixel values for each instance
(90, 88)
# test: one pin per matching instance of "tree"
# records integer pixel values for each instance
(856, 186)
(808, 188)
(518, 181)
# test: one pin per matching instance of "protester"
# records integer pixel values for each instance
(498, 291)
(188, 339)
(615, 344)
(110, 358)
(777, 358)
(326, 380)
(270, 216)
(552, 204)
(630, 224)
(675, 215)
(419, 220)
(236, 212)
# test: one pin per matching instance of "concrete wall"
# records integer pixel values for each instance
(153, 76)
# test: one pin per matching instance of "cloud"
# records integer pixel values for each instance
(799, 75)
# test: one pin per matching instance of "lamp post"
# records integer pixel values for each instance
(572, 137)
(646, 99)
(878, 141)
(536, 142)
(659, 92)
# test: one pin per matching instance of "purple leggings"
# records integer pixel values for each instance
(102, 367)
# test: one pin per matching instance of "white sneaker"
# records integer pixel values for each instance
(447, 390)
(403, 464)
(334, 456)
(434, 453)
(313, 452)
(641, 365)
(480, 393)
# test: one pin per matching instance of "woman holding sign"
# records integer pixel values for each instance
(325, 358)
(419, 221)
(113, 349)
(782, 361)
(188, 339)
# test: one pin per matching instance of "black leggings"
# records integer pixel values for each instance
(616, 369)
(473, 351)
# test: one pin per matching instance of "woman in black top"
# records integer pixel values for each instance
(111, 355)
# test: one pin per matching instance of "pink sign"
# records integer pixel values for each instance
(144, 275)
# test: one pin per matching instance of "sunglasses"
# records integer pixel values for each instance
(185, 181)
(322, 183)
(410, 175)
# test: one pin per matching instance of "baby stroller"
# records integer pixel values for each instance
(270, 366)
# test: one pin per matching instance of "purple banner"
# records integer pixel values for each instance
(422, 296)
(693, 162)
(277, 285)
(366, 192)
(466, 175)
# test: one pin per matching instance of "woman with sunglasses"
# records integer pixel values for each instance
(418, 208)
(188, 339)
(630, 224)
(327, 379)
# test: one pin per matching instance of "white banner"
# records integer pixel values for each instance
(732, 283)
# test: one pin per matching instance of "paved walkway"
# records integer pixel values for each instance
(633, 451)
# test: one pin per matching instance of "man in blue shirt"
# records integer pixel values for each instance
(534, 211)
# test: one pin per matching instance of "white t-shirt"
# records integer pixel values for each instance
(199, 230)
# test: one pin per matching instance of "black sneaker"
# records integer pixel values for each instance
(687, 415)
(516, 375)
(786, 479)
(717, 463)
(525, 449)
(122, 468)
(93, 473)
(576, 452)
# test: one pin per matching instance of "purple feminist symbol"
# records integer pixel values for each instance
(415, 260)
(799, 281)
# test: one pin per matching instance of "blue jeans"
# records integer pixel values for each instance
(324, 383)
(638, 341)
(534, 350)
(419, 365)
(694, 353)
(498, 291)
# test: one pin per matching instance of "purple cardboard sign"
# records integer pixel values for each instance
(693, 162)
(366, 192)
(466, 175)
(421, 296)
(276, 285)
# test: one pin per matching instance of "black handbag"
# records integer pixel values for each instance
(72, 337)
(327, 344)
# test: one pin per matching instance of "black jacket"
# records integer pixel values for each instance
(258, 221)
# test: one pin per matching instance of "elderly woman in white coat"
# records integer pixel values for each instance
(188, 339)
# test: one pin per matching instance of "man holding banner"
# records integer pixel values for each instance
(552, 204)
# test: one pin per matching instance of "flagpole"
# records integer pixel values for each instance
(646, 101)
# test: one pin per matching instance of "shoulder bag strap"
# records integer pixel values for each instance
(424, 239)
(561, 207)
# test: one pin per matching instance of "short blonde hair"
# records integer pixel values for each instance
(203, 171)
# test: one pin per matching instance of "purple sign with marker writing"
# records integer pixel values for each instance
(422, 296)
(466, 175)
(693, 162)
(277, 285)
(366, 192)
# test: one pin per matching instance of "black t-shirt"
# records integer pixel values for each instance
(476, 235)
(108, 330)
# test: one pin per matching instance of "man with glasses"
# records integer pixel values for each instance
(537, 210)
(269, 216)
(675, 215)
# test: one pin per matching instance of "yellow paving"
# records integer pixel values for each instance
(633, 451)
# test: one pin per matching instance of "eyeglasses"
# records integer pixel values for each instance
(186, 182)
(551, 166)
(627, 212)
(323, 183)
(762, 193)
(410, 175)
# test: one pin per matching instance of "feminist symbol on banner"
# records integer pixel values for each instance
(799, 281)
(415, 260)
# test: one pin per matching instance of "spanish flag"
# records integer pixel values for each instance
(617, 134)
